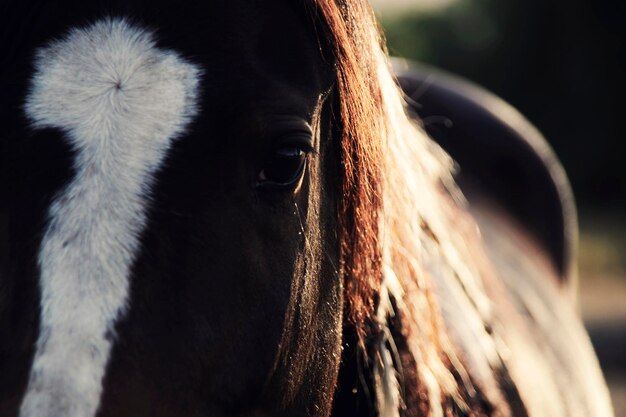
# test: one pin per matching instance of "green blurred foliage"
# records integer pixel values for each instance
(561, 63)
(602, 245)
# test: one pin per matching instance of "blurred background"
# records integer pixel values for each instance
(562, 63)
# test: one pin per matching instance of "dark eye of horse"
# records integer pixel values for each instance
(284, 166)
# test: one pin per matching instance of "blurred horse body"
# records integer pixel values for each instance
(223, 209)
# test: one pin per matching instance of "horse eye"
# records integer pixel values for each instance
(284, 166)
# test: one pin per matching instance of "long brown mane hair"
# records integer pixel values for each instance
(412, 256)
(391, 189)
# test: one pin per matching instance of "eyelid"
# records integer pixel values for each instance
(276, 124)
(298, 140)
(289, 129)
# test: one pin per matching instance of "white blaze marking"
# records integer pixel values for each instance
(120, 102)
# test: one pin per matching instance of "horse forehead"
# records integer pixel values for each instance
(235, 39)
(260, 46)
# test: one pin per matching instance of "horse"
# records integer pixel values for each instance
(229, 209)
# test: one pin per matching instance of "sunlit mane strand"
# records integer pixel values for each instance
(350, 33)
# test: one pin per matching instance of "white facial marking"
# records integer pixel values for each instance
(120, 102)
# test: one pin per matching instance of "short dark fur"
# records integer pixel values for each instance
(233, 310)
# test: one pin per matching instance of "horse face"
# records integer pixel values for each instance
(232, 302)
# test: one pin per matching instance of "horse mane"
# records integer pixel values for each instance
(398, 198)
(446, 330)
(362, 122)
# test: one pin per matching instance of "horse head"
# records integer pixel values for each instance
(189, 242)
